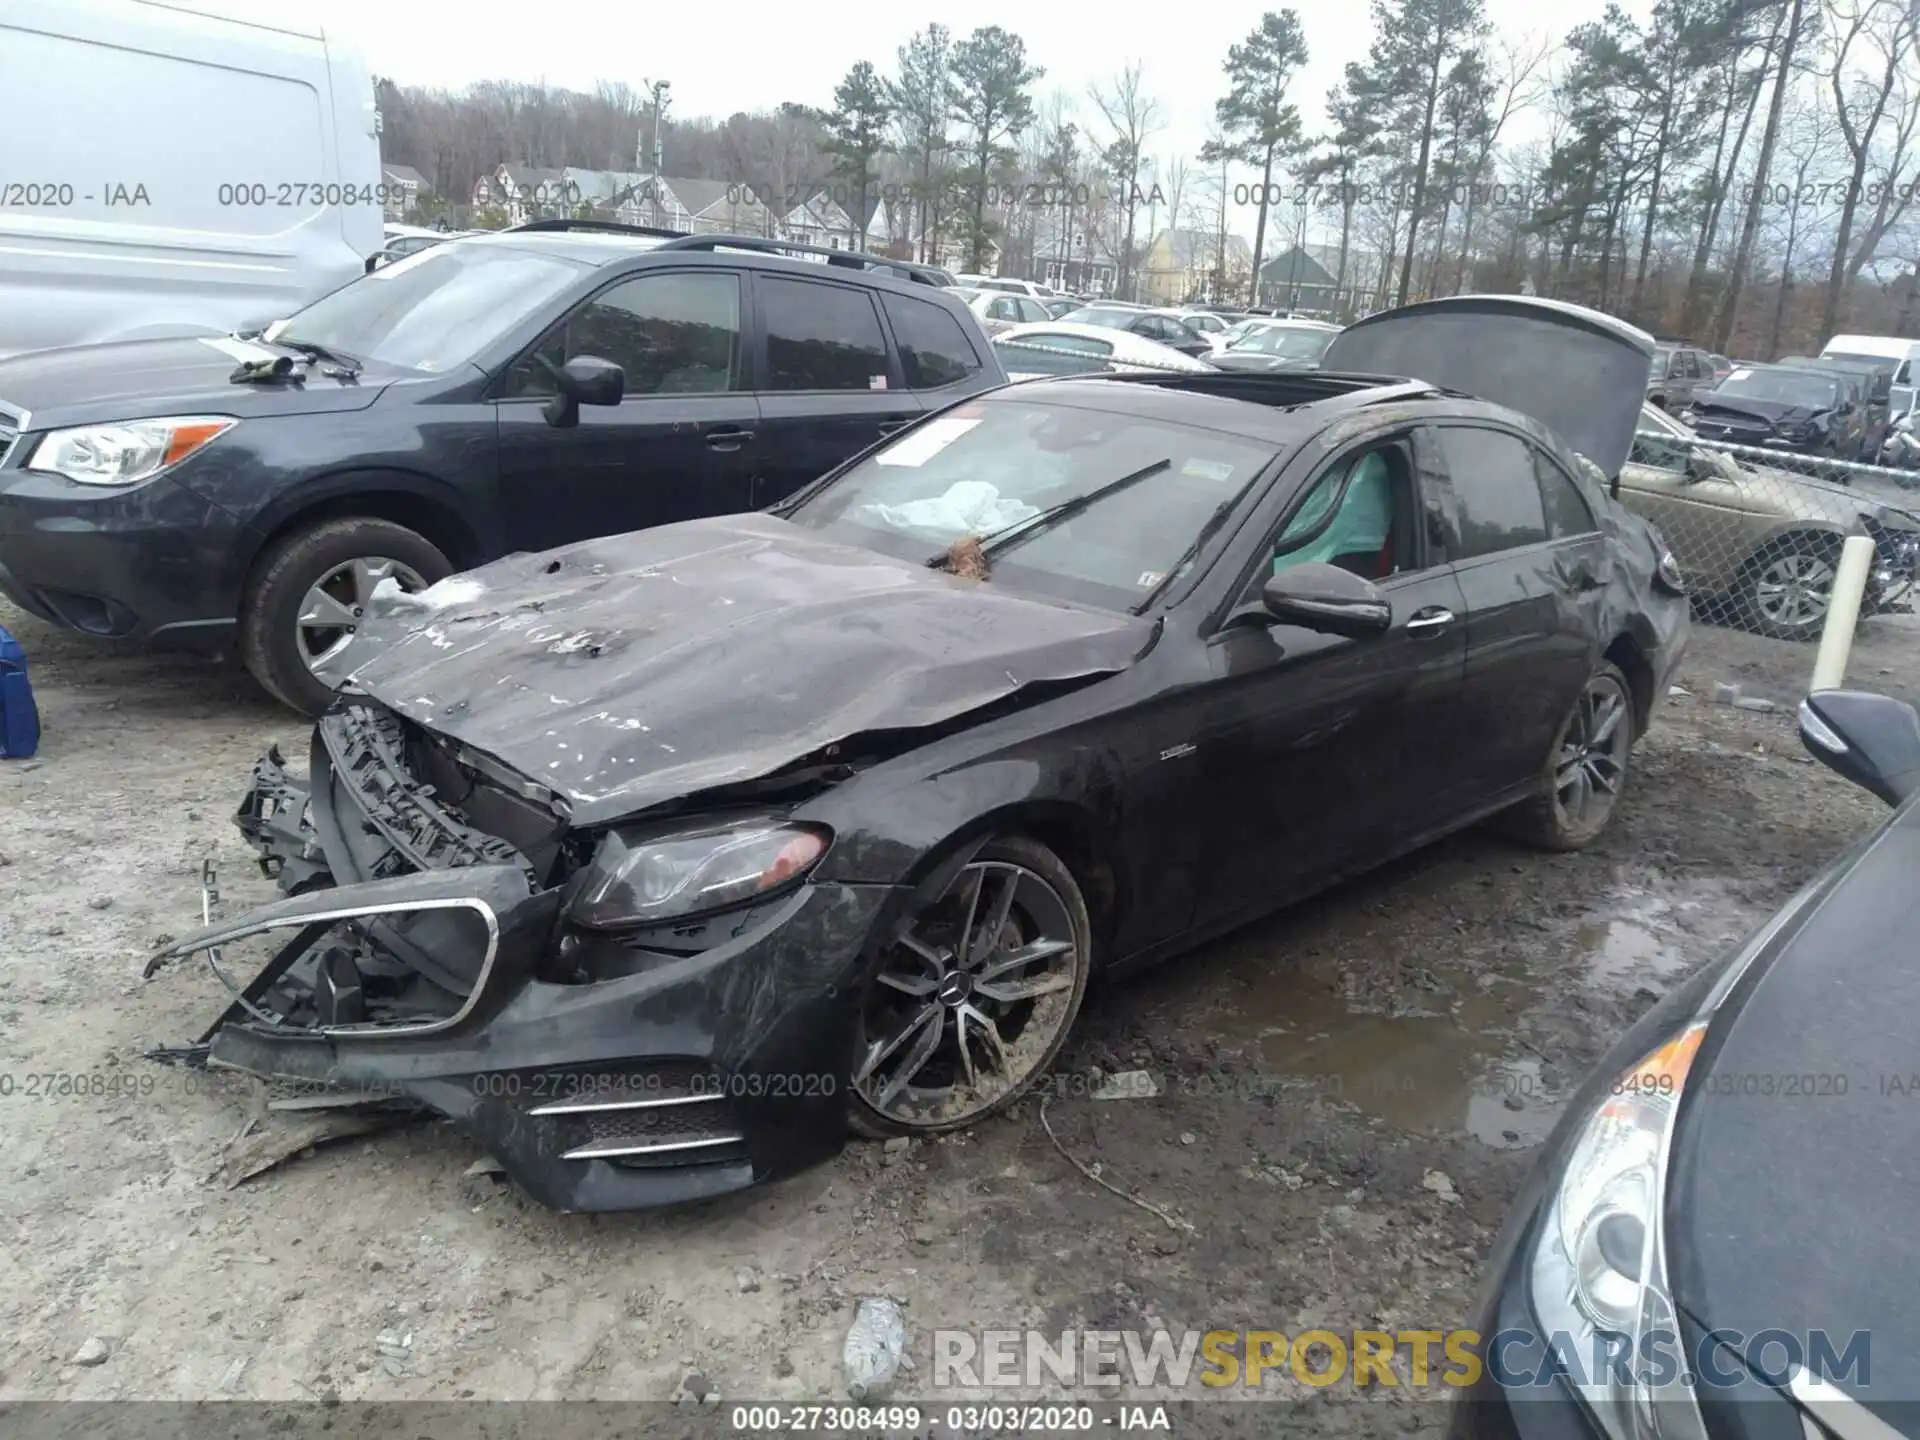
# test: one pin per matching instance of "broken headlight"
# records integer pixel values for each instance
(641, 875)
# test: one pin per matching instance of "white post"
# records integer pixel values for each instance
(1843, 613)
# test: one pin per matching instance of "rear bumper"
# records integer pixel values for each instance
(665, 1077)
(149, 563)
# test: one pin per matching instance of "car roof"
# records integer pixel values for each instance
(599, 247)
(1283, 412)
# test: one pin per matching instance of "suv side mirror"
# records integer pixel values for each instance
(1872, 740)
(1327, 599)
(584, 380)
(1699, 467)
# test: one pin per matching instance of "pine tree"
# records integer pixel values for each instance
(1258, 124)
(921, 98)
(989, 97)
(1416, 43)
(857, 135)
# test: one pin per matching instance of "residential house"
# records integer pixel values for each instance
(1076, 261)
(401, 187)
(522, 192)
(1311, 279)
(709, 207)
(1185, 265)
(825, 221)
(606, 194)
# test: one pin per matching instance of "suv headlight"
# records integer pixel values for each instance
(128, 452)
(643, 874)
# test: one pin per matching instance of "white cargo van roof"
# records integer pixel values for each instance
(1885, 347)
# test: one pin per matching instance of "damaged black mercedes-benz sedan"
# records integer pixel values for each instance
(660, 860)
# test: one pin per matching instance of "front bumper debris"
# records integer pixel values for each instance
(604, 1071)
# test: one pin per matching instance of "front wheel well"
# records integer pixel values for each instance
(434, 522)
(1074, 837)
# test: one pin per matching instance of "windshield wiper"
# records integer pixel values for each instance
(345, 364)
(1214, 521)
(1046, 519)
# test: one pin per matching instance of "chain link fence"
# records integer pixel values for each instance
(1755, 529)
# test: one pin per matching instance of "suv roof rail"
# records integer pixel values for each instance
(848, 259)
(607, 227)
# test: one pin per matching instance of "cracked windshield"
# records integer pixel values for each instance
(987, 468)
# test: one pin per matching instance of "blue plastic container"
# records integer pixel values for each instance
(19, 717)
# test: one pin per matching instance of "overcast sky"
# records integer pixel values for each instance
(749, 54)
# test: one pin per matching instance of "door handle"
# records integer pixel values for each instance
(728, 439)
(1430, 620)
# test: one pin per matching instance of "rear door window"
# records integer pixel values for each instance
(820, 336)
(934, 350)
(1566, 508)
(1497, 497)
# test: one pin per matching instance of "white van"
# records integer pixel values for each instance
(1876, 347)
(172, 172)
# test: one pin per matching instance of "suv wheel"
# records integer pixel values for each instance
(309, 593)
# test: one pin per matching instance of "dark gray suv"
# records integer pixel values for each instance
(495, 393)
(1678, 371)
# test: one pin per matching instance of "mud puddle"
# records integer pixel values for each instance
(1442, 1047)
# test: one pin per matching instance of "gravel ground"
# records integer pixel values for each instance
(1318, 1068)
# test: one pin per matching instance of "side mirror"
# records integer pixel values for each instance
(1328, 599)
(584, 380)
(1872, 740)
(1699, 467)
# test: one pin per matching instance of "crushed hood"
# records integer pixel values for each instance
(636, 669)
(1580, 373)
(1753, 407)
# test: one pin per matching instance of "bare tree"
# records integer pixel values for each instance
(1131, 116)
(1519, 71)
(1862, 99)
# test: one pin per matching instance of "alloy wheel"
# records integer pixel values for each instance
(971, 999)
(331, 611)
(1591, 763)
(1793, 590)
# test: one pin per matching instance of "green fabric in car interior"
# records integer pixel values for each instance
(1362, 526)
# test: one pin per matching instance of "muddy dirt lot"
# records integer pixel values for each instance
(1317, 1068)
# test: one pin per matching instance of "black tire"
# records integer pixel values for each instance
(1766, 595)
(270, 637)
(1544, 821)
(1014, 853)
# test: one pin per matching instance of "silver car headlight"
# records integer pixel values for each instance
(127, 452)
(643, 874)
(1599, 1266)
(1599, 1272)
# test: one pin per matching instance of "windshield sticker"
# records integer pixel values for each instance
(876, 382)
(1215, 470)
(926, 442)
(236, 349)
(1150, 578)
(1741, 375)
